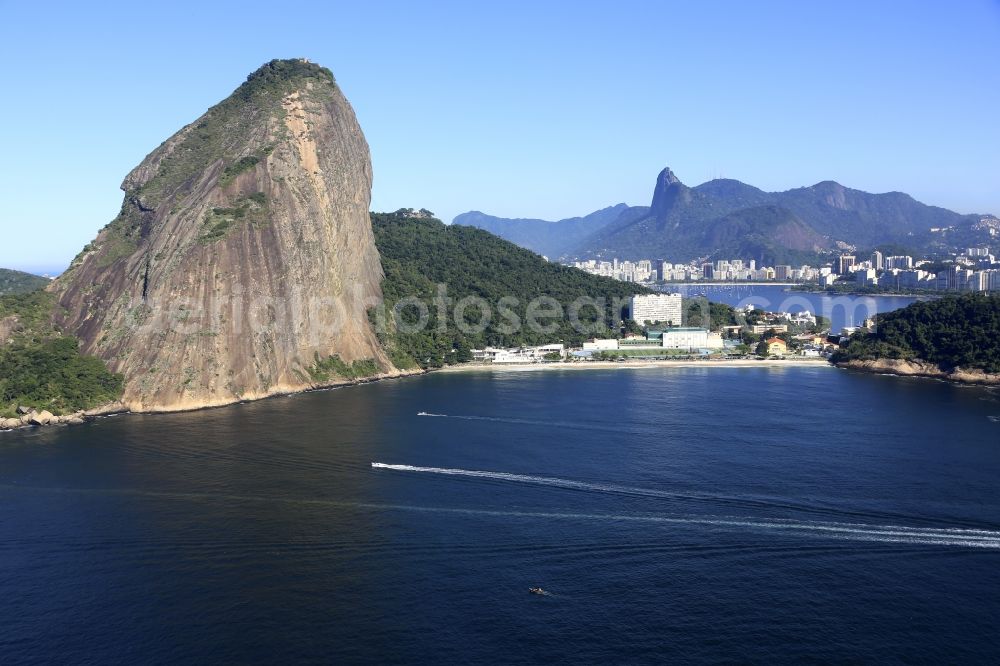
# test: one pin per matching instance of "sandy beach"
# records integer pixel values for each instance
(639, 365)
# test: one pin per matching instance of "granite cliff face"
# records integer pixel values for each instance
(242, 263)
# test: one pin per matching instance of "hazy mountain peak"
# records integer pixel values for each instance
(668, 192)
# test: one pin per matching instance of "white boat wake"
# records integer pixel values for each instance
(936, 536)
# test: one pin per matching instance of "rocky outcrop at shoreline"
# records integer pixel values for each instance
(918, 368)
(28, 417)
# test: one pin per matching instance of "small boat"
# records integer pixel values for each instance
(422, 414)
(537, 590)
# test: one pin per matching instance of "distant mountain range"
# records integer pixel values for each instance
(551, 239)
(727, 218)
(19, 282)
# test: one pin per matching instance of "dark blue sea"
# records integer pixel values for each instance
(702, 515)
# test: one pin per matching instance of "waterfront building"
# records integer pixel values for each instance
(866, 277)
(845, 263)
(776, 347)
(900, 262)
(877, 260)
(601, 344)
(685, 338)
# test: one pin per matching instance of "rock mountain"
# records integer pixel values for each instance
(727, 218)
(243, 257)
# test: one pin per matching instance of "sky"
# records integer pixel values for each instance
(517, 109)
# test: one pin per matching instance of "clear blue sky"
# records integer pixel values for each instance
(540, 109)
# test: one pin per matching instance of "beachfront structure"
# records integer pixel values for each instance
(685, 338)
(776, 347)
(517, 354)
(601, 344)
(656, 307)
(542, 351)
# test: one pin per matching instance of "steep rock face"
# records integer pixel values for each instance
(243, 253)
(668, 193)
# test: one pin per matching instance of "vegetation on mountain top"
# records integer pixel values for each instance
(226, 125)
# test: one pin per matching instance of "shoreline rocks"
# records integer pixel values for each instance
(30, 417)
(918, 368)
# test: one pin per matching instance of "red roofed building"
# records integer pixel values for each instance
(776, 347)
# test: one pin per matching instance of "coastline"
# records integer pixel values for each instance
(119, 407)
(744, 283)
(922, 369)
(638, 365)
(878, 294)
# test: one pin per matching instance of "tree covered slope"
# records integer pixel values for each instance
(19, 282)
(418, 255)
(952, 332)
(43, 368)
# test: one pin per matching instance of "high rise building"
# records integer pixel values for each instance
(664, 308)
(845, 263)
(903, 263)
(877, 260)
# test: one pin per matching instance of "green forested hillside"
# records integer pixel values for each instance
(40, 367)
(19, 282)
(420, 254)
(955, 331)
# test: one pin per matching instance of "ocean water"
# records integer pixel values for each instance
(697, 515)
(841, 309)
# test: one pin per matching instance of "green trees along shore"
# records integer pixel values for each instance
(41, 367)
(951, 332)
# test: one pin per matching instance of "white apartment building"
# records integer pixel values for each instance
(656, 307)
(685, 338)
(601, 344)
